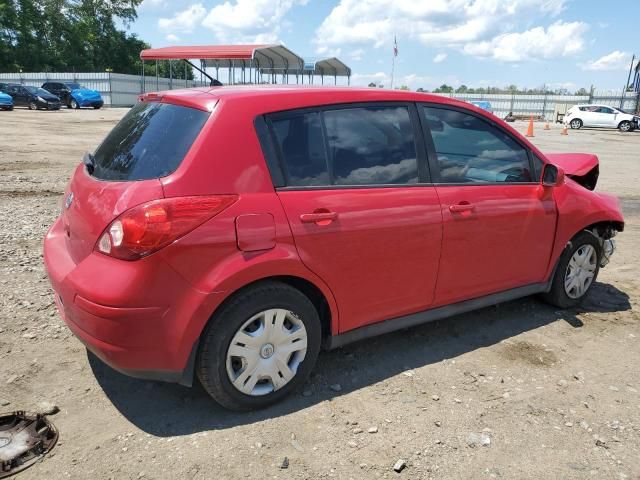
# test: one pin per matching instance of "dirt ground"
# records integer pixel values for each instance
(554, 393)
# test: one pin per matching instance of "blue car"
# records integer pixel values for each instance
(483, 105)
(6, 102)
(73, 95)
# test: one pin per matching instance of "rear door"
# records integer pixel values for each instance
(363, 215)
(19, 95)
(498, 221)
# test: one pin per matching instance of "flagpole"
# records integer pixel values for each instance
(393, 67)
(393, 59)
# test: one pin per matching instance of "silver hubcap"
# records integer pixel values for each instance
(580, 271)
(625, 127)
(575, 124)
(265, 353)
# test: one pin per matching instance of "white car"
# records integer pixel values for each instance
(580, 116)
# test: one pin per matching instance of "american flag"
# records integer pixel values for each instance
(395, 46)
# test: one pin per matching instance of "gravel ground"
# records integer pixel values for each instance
(519, 390)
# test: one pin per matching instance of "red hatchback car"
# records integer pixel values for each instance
(231, 232)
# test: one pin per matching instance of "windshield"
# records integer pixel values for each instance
(73, 86)
(37, 91)
(149, 142)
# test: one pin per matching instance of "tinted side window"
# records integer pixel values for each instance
(373, 145)
(299, 138)
(150, 141)
(471, 150)
(537, 167)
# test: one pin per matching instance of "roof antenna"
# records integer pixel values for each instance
(213, 82)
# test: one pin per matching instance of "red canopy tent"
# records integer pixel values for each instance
(253, 61)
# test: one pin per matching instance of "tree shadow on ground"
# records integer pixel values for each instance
(164, 409)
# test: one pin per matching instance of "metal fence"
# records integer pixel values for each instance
(117, 89)
(545, 105)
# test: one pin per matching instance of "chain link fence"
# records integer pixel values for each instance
(547, 105)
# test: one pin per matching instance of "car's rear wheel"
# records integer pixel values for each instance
(33, 106)
(97, 107)
(577, 271)
(625, 126)
(575, 124)
(259, 347)
(74, 103)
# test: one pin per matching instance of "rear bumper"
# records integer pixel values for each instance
(141, 318)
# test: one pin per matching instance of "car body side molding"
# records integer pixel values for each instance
(431, 315)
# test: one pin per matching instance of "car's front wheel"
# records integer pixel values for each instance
(576, 272)
(576, 124)
(259, 347)
(33, 106)
(625, 126)
(74, 103)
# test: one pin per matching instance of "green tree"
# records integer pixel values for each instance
(73, 35)
(444, 88)
(462, 89)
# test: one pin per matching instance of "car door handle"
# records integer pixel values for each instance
(322, 218)
(461, 207)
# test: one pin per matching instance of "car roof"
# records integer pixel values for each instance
(593, 105)
(295, 96)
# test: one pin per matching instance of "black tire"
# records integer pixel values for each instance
(97, 107)
(74, 103)
(33, 106)
(217, 336)
(625, 126)
(575, 124)
(557, 295)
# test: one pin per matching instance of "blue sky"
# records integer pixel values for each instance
(529, 43)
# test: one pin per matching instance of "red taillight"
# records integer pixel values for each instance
(147, 228)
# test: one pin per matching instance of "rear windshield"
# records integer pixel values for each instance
(149, 142)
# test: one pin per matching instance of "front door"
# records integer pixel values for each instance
(498, 221)
(607, 117)
(361, 217)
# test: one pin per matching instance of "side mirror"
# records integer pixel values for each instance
(552, 176)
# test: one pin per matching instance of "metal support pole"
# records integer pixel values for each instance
(142, 80)
(170, 75)
(185, 75)
(157, 77)
(624, 90)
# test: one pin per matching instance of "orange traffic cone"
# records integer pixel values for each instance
(564, 130)
(546, 126)
(530, 129)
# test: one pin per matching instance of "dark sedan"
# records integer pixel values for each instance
(33, 97)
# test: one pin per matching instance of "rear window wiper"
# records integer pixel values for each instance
(88, 160)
